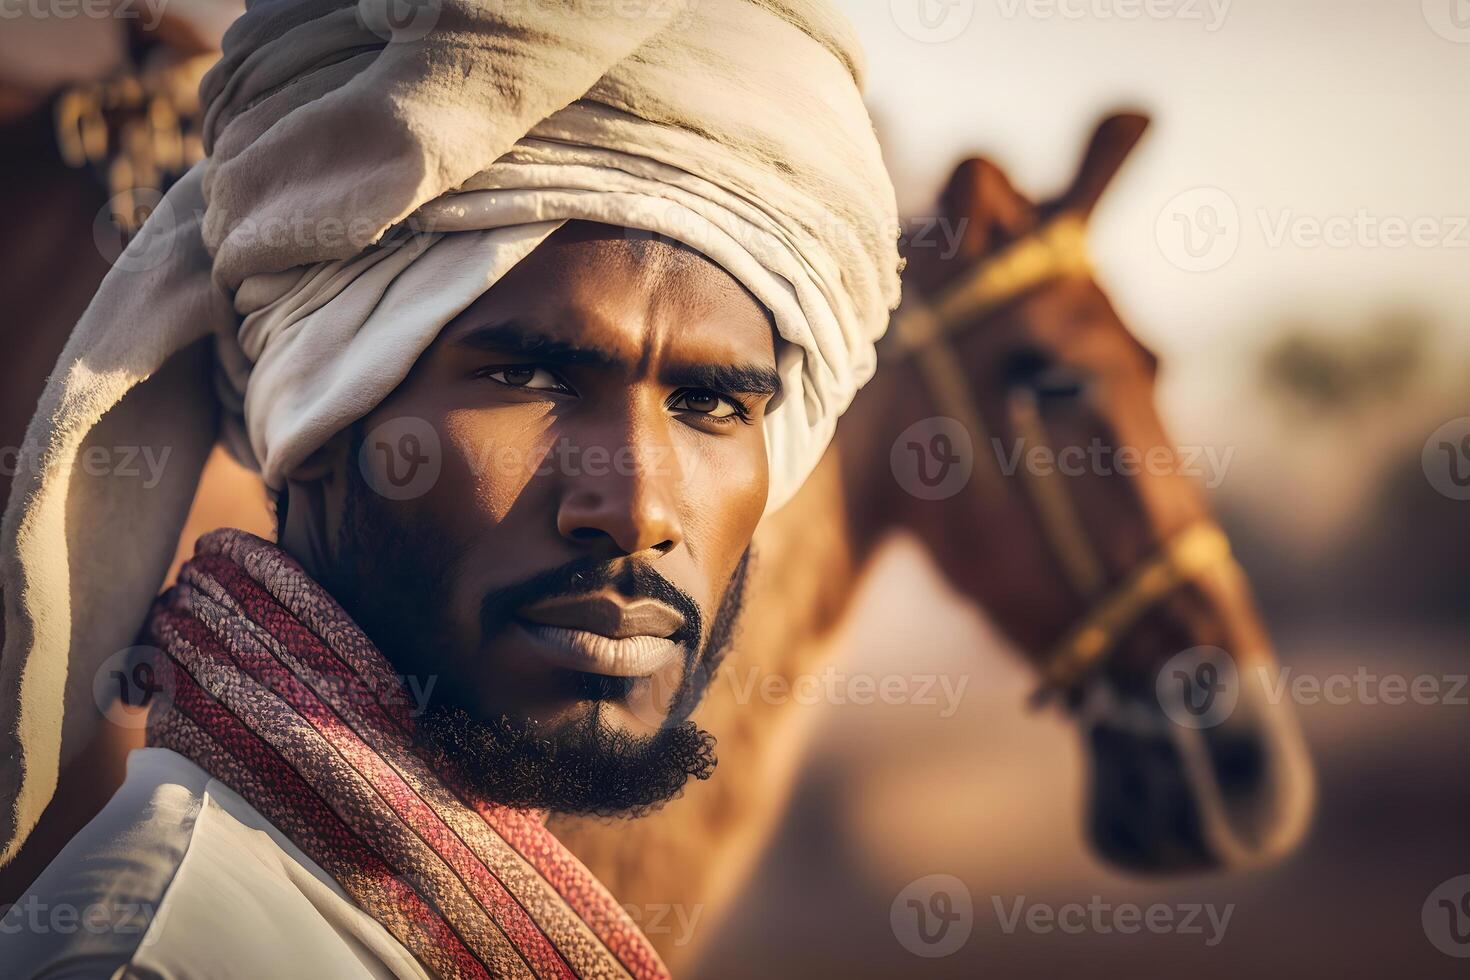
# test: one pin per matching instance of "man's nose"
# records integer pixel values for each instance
(624, 507)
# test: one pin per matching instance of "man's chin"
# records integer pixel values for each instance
(588, 757)
(574, 715)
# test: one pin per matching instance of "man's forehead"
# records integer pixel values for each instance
(599, 296)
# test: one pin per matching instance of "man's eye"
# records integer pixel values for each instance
(524, 376)
(707, 403)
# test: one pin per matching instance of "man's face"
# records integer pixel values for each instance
(568, 579)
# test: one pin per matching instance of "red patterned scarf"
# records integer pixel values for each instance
(274, 691)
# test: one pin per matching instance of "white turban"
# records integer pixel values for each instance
(359, 194)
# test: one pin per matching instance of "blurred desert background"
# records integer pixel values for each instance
(1325, 367)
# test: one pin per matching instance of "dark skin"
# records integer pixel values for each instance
(601, 402)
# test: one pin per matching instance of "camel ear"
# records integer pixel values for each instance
(984, 210)
(1111, 143)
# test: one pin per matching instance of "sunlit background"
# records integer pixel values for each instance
(1312, 341)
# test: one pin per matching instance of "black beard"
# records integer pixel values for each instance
(587, 768)
(395, 593)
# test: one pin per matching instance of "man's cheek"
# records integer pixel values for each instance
(731, 483)
(494, 469)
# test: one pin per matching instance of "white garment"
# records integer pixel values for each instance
(178, 878)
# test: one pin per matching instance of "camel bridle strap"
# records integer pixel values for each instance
(1189, 556)
(923, 332)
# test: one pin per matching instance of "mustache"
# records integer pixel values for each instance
(633, 579)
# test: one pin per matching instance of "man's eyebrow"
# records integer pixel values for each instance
(519, 339)
(523, 341)
(737, 379)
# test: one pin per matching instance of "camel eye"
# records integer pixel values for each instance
(1058, 382)
(1037, 372)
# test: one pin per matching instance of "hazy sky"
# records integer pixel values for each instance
(1327, 142)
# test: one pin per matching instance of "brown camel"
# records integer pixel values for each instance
(1009, 336)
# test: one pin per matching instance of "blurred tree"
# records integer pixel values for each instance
(1328, 374)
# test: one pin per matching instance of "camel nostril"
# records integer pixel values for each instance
(1240, 760)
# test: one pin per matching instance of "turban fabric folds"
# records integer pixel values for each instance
(367, 180)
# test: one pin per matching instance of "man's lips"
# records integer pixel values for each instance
(603, 633)
(605, 614)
